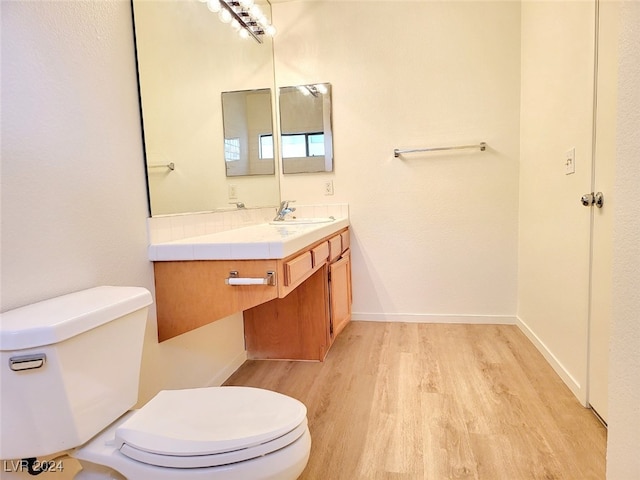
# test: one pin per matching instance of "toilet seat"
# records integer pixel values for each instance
(209, 427)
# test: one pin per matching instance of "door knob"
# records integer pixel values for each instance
(598, 199)
(589, 199)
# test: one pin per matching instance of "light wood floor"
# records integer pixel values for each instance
(433, 401)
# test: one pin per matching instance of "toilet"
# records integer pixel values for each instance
(70, 370)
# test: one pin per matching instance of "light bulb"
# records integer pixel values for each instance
(246, 3)
(255, 11)
(235, 25)
(213, 5)
(270, 30)
(225, 16)
(243, 33)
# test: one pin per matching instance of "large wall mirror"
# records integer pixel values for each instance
(305, 128)
(186, 60)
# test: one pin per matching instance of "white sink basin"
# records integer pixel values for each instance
(261, 241)
(302, 221)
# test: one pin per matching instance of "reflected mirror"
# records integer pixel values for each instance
(248, 133)
(186, 59)
(306, 139)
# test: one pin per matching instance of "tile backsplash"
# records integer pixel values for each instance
(176, 227)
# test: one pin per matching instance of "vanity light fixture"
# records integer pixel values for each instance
(318, 88)
(244, 16)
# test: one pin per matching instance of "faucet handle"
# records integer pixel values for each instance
(238, 205)
(283, 210)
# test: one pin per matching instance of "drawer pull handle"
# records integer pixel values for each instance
(235, 280)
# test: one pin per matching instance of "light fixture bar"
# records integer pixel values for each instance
(245, 16)
(228, 5)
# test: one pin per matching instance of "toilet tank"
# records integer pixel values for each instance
(69, 366)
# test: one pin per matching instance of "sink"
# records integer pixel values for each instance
(302, 221)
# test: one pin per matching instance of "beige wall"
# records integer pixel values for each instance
(623, 461)
(73, 179)
(434, 236)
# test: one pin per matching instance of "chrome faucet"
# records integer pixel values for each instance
(239, 205)
(283, 210)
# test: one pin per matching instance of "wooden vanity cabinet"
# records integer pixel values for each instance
(303, 304)
(303, 324)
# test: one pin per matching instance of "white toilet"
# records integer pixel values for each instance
(70, 369)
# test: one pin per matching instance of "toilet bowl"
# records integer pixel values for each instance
(197, 434)
(202, 433)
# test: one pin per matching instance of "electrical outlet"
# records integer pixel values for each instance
(328, 187)
(233, 191)
(570, 162)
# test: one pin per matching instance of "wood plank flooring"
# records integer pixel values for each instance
(436, 401)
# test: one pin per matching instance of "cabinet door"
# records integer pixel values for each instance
(340, 293)
(295, 327)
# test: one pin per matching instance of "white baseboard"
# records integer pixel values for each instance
(432, 318)
(228, 370)
(569, 380)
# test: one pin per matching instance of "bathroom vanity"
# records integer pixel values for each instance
(291, 280)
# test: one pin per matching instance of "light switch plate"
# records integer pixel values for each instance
(570, 162)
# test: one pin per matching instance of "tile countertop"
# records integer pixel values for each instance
(262, 241)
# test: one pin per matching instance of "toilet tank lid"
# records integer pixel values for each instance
(57, 319)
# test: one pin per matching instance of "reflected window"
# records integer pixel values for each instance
(294, 145)
(297, 145)
(232, 149)
(315, 145)
(266, 146)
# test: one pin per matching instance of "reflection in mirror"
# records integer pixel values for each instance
(248, 133)
(186, 59)
(305, 128)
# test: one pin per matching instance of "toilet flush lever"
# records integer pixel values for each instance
(27, 362)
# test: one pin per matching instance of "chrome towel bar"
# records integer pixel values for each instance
(482, 146)
(170, 166)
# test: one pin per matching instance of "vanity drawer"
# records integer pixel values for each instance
(346, 243)
(335, 247)
(297, 268)
(320, 254)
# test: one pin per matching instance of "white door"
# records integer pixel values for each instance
(602, 220)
